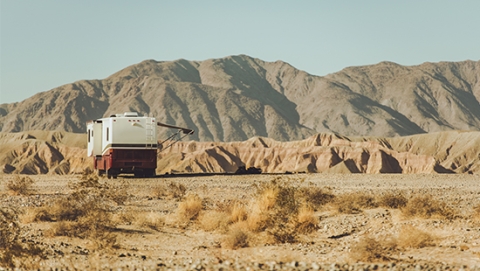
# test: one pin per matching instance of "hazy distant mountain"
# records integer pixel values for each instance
(238, 97)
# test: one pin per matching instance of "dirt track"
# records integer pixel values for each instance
(457, 240)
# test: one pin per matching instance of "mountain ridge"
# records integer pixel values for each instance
(239, 97)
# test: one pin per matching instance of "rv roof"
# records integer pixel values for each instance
(130, 114)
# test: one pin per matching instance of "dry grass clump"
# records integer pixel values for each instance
(277, 214)
(411, 237)
(306, 222)
(354, 203)
(393, 200)
(237, 236)
(476, 212)
(369, 249)
(426, 206)
(14, 252)
(213, 220)
(151, 220)
(275, 211)
(189, 208)
(171, 191)
(117, 193)
(85, 213)
(238, 212)
(315, 196)
(20, 185)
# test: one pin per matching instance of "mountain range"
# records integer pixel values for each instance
(239, 97)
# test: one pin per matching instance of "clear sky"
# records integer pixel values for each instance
(47, 43)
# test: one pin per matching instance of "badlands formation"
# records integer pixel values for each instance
(43, 152)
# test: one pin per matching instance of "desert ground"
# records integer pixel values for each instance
(244, 222)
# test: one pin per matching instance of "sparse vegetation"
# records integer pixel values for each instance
(369, 249)
(425, 206)
(13, 251)
(213, 220)
(476, 212)
(411, 237)
(101, 216)
(316, 197)
(306, 221)
(393, 200)
(190, 208)
(171, 191)
(237, 236)
(151, 220)
(20, 185)
(354, 203)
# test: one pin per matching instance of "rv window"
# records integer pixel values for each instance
(89, 136)
(107, 133)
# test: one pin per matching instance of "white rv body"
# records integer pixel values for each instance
(123, 143)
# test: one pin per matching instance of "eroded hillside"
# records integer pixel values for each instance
(39, 152)
(238, 97)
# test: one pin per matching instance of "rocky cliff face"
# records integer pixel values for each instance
(239, 97)
(40, 152)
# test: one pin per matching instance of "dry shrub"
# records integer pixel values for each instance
(393, 200)
(189, 208)
(315, 196)
(427, 207)
(213, 220)
(411, 237)
(476, 212)
(354, 203)
(238, 212)
(306, 221)
(171, 191)
(237, 236)
(14, 252)
(117, 193)
(152, 220)
(20, 185)
(85, 213)
(275, 211)
(369, 249)
(125, 217)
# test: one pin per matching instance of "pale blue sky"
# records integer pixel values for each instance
(47, 43)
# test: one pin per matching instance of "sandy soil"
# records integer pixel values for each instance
(188, 246)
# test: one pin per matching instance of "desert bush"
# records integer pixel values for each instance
(20, 185)
(353, 203)
(117, 193)
(306, 221)
(85, 213)
(189, 208)
(315, 196)
(171, 191)
(275, 211)
(237, 236)
(14, 252)
(393, 200)
(152, 220)
(411, 237)
(369, 249)
(213, 220)
(427, 207)
(238, 212)
(89, 179)
(476, 212)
